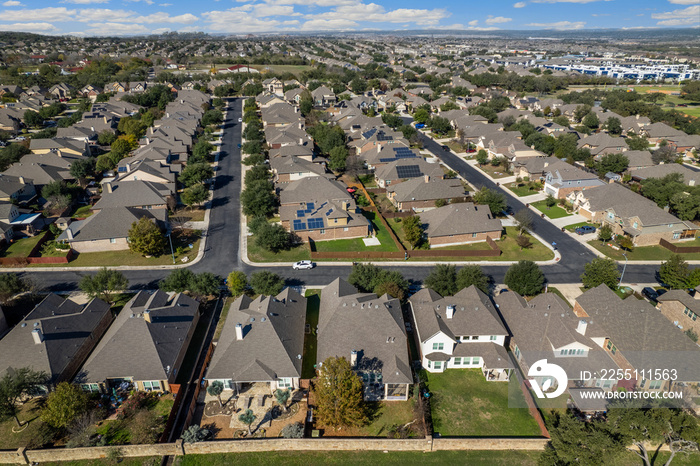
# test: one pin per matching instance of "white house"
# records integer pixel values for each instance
(461, 332)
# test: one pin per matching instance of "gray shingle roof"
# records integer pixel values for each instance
(273, 339)
(113, 222)
(133, 347)
(398, 170)
(373, 326)
(418, 190)
(65, 326)
(132, 194)
(459, 219)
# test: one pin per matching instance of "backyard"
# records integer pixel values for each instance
(463, 403)
(356, 244)
(22, 247)
(551, 212)
(32, 435)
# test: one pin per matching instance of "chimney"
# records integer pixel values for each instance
(128, 168)
(696, 293)
(353, 359)
(108, 186)
(38, 336)
(69, 233)
(427, 178)
(581, 328)
(147, 316)
(239, 332)
(346, 205)
(21, 180)
(450, 311)
(301, 141)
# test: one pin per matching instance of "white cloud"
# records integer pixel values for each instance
(84, 2)
(639, 27)
(470, 28)
(372, 12)
(43, 28)
(497, 20)
(127, 16)
(328, 25)
(568, 1)
(684, 2)
(117, 29)
(236, 20)
(162, 17)
(681, 17)
(40, 14)
(165, 4)
(323, 3)
(560, 25)
(473, 23)
(519, 5)
(147, 2)
(12, 3)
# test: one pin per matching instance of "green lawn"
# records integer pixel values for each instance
(294, 69)
(127, 257)
(494, 172)
(82, 212)
(22, 247)
(356, 244)
(510, 251)
(297, 253)
(313, 303)
(574, 226)
(521, 189)
(551, 212)
(463, 403)
(388, 415)
(30, 437)
(644, 253)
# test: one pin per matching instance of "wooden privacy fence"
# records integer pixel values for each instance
(678, 249)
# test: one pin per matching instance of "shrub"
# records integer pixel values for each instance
(295, 430)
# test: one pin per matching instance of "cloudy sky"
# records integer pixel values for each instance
(128, 17)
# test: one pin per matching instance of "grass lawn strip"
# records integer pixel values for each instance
(551, 212)
(463, 403)
(643, 253)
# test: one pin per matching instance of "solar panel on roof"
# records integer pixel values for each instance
(300, 213)
(329, 212)
(315, 223)
(310, 206)
(408, 171)
(298, 225)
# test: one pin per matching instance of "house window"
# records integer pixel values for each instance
(323, 232)
(609, 344)
(476, 360)
(611, 216)
(457, 361)
(437, 365)
(438, 346)
(345, 228)
(112, 240)
(475, 337)
(613, 350)
(90, 387)
(493, 337)
(151, 385)
(517, 352)
(635, 224)
(473, 235)
(655, 384)
(562, 352)
(284, 382)
(676, 236)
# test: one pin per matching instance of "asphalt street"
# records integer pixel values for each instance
(222, 253)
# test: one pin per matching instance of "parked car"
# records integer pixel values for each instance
(650, 293)
(303, 265)
(445, 148)
(420, 125)
(240, 120)
(582, 230)
(351, 190)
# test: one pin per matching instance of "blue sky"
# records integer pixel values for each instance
(129, 17)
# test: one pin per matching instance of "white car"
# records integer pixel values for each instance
(303, 265)
(240, 120)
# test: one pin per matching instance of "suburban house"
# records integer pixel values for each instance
(681, 308)
(135, 193)
(274, 86)
(302, 152)
(369, 331)
(630, 214)
(534, 168)
(546, 328)
(387, 153)
(460, 224)
(10, 121)
(323, 96)
(63, 145)
(319, 209)
(657, 132)
(462, 331)
(293, 168)
(40, 174)
(638, 159)
(690, 177)
(406, 169)
(262, 342)
(420, 194)
(16, 189)
(638, 337)
(145, 345)
(55, 337)
(562, 179)
(287, 135)
(600, 144)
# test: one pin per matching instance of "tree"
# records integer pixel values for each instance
(212, 117)
(421, 116)
(338, 392)
(32, 118)
(482, 157)
(80, 169)
(675, 272)
(413, 230)
(473, 275)
(15, 386)
(305, 106)
(613, 126)
(616, 163)
(11, 284)
(337, 158)
(637, 143)
(248, 418)
(103, 283)
(550, 201)
(664, 154)
(442, 279)
(368, 278)
(205, 284)
(258, 199)
(495, 200)
(178, 281)
(601, 271)
(122, 146)
(64, 405)
(523, 241)
(282, 396)
(237, 283)
(145, 238)
(195, 433)
(266, 283)
(523, 220)
(196, 173)
(440, 125)
(215, 389)
(625, 242)
(252, 147)
(272, 237)
(106, 138)
(525, 278)
(605, 233)
(194, 195)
